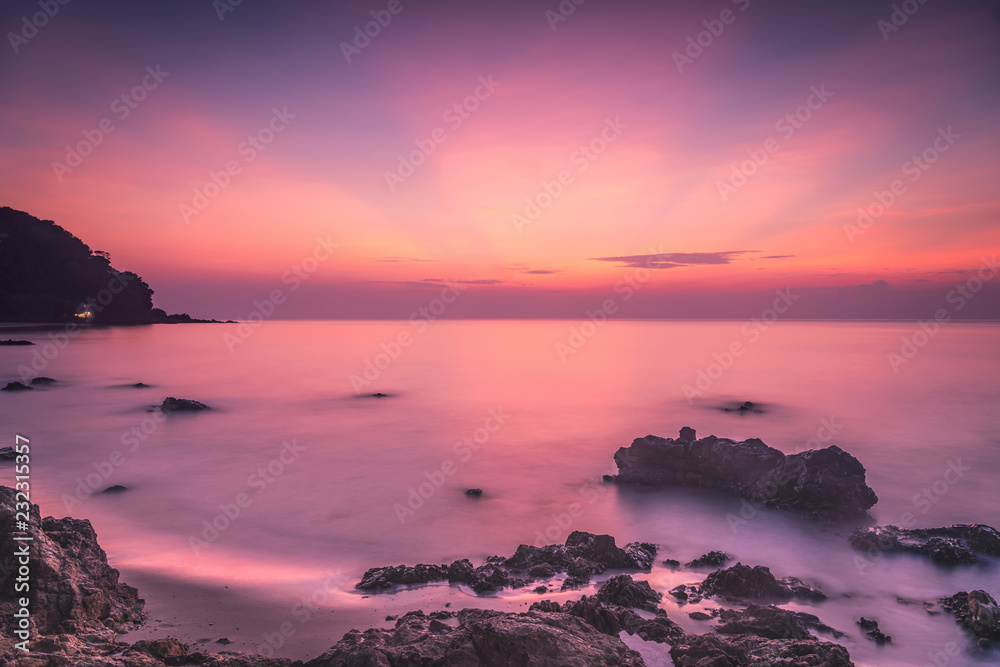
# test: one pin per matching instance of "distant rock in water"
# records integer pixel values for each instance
(11, 341)
(171, 404)
(116, 488)
(7, 454)
(953, 545)
(743, 583)
(873, 632)
(622, 590)
(711, 559)
(744, 408)
(824, 484)
(42, 380)
(473, 492)
(140, 385)
(16, 386)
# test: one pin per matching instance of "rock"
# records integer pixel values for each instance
(953, 545)
(161, 649)
(488, 578)
(171, 404)
(749, 651)
(746, 407)
(742, 582)
(699, 616)
(141, 385)
(380, 578)
(379, 394)
(11, 341)
(595, 613)
(16, 386)
(72, 587)
(872, 631)
(542, 571)
(771, 622)
(116, 488)
(671, 563)
(485, 638)
(42, 380)
(711, 559)
(826, 484)
(622, 590)
(686, 593)
(976, 611)
(7, 454)
(460, 572)
(473, 492)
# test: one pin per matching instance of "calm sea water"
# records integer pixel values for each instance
(328, 482)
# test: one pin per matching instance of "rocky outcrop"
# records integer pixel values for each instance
(16, 386)
(873, 632)
(749, 651)
(711, 559)
(72, 587)
(823, 484)
(771, 622)
(42, 380)
(583, 555)
(975, 611)
(482, 637)
(744, 583)
(171, 404)
(11, 341)
(623, 591)
(953, 545)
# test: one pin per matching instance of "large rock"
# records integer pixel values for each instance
(824, 483)
(622, 590)
(171, 404)
(73, 589)
(977, 612)
(952, 545)
(482, 638)
(742, 582)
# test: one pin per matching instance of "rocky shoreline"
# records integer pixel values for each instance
(79, 606)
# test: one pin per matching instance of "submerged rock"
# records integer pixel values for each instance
(11, 341)
(711, 559)
(953, 545)
(977, 612)
(16, 386)
(485, 638)
(823, 483)
(43, 380)
(473, 492)
(115, 488)
(872, 631)
(379, 578)
(171, 404)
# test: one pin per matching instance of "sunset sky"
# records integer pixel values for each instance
(652, 135)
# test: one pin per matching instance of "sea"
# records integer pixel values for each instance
(333, 446)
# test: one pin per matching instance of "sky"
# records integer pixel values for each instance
(536, 159)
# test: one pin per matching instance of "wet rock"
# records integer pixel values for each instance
(742, 582)
(488, 578)
(746, 407)
(687, 593)
(483, 637)
(11, 341)
(171, 404)
(7, 454)
(952, 545)
(73, 589)
(711, 559)
(473, 492)
(380, 578)
(116, 488)
(42, 380)
(771, 622)
(976, 611)
(699, 616)
(573, 583)
(141, 385)
(545, 605)
(379, 394)
(671, 563)
(872, 631)
(591, 610)
(542, 571)
(622, 590)
(823, 484)
(461, 571)
(16, 386)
